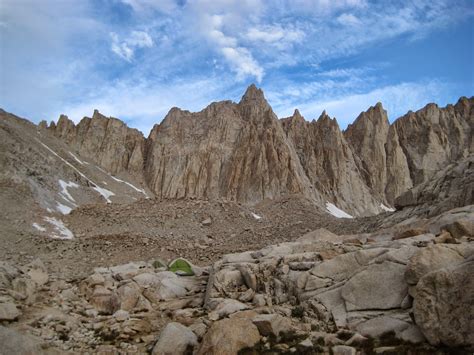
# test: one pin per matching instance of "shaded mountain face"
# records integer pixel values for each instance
(395, 158)
(234, 151)
(243, 152)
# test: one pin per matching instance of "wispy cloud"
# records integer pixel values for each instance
(126, 48)
(346, 106)
(136, 58)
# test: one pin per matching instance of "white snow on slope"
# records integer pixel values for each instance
(65, 193)
(104, 192)
(336, 212)
(386, 209)
(38, 227)
(63, 231)
(77, 159)
(63, 208)
(131, 185)
(256, 216)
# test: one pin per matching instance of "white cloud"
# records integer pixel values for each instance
(165, 6)
(348, 20)
(143, 104)
(238, 57)
(346, 107)
(126, 48)
(243, 63)
(272, 34)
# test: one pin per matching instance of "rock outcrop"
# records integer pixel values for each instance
(414, 148)
(320, 293)
(106, 140)
(242, 152)
(235, 151)
(368, 137)
(329, 163)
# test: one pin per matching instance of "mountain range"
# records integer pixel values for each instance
(243, 152)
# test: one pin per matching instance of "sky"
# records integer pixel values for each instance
(135, 59)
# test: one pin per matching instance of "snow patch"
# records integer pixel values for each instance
(104, 192)
(256, 216)
(38, 227)
(336, 212)
(77, 159)
(131, 185)
(65, 193)
(387, 209)
(63, 208)
(64, 232)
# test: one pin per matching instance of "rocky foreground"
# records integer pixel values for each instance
(400, 290)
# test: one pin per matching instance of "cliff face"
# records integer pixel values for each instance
(236, 151)
(410, 151)
(242, 152)
(329, 163)
(368, 138)
(108, 141)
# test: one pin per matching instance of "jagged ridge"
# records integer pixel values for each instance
(243, 152)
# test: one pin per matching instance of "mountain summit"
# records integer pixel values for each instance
(243, 152)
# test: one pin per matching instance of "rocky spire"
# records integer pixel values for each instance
(367, 137)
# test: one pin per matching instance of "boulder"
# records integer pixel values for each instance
(344, 266)
(14, 342)
(401, 326)
(104, 300)
(175, 339)
(429, 259)
(26, 287)
(460, 228)
(443, 306)
(272, 325)
(8, 311)
(147, 280)
(128, 294)
(343, 350)
(379, 286)
(37, 272)
(229, 336)
(227, 307)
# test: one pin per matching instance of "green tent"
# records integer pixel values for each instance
(181, 267)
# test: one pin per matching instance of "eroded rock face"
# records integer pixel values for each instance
(106, 140)
(242, 152)
(368, 137)
(443, 305)
(329, 162)
(236, 151)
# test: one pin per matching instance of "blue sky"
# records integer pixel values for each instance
(135, 59)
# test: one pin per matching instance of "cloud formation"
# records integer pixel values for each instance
(137, 58)
(125, 48)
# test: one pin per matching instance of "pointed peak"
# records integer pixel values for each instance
(97, 115)
(376, 114)
(297, 113)
(253, 95)
(324, 116)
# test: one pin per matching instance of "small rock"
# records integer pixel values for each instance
(121, 315)
(207, 222)
(175, 338)
(272, 324)
(343, 350)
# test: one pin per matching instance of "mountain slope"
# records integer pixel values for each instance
(243, 152)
